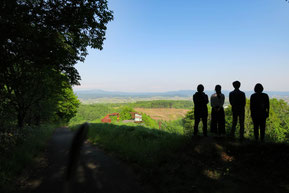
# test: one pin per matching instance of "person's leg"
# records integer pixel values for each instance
(262, 128)
(214, 121)
(256, 128)
(196, 127)
(218, 123)
(204, 120)
(242, 120)
(235, 118)
(222, 121)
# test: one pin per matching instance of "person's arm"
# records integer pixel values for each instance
(194, 99)
(223, 100)
(244, 100)
(212, 102)
(251, 104)
(230, 99)
(267, 105)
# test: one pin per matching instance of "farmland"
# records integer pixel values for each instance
(164, 114)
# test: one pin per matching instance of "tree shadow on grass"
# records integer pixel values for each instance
(220, 165)
(170, 162)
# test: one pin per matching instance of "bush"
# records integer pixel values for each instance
(148, 121)
(125, 113)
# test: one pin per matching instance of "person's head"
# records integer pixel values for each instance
(200, 88)
(236, 84)
(218, 89)
(258, 88)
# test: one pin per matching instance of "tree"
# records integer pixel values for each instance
(41, 40)
(67, 104)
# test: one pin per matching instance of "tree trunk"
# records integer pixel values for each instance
(20, 119)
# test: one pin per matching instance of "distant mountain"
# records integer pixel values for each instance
(94, 94)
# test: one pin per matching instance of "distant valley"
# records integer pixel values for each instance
(101, 96)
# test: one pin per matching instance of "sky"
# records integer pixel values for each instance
(167, 45)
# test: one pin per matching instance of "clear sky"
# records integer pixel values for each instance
(165, 45)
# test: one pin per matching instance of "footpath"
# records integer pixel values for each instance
(96, 172)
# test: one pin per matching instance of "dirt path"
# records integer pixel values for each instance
(97, 172)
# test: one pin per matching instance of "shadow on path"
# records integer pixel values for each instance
(96, 172)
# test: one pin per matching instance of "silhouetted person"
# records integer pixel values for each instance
(218, 114)
(259, 105)
(237, 99)
(201, 110)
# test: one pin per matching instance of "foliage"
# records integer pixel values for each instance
(188, 122)
(95, 112)
(91, 113)
(125, 113)
(67, 105)
(148, 121)
(178, 104)
(175, 126)
(277, 128)
(41, 41)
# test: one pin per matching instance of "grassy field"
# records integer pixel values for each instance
(166, 114)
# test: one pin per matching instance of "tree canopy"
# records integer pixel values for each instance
(41, 41)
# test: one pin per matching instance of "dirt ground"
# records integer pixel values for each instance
(164, 113)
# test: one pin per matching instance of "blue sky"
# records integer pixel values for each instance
(165, 45)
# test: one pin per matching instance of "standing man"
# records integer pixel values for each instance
(237, 100)
(201, 110)
(259, 105)
(218, 113)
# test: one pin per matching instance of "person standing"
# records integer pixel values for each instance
(218, 114)
(237, 100)
(200, 109)
(259, 106)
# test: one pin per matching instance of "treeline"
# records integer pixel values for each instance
(277, 125)
(92, 112)
(178, 104)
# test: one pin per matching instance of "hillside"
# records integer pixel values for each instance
(170, 162)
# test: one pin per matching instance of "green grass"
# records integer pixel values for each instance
(22, 155)
(169, 162)
(137, 144)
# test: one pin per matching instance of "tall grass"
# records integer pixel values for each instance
(22, 155)
(134, 143)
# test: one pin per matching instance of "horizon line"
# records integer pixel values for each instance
(75, 90)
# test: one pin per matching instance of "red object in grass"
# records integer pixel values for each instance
(107, 119)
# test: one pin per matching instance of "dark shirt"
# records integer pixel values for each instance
(237, 99)
(200, 101)
(259, 104)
